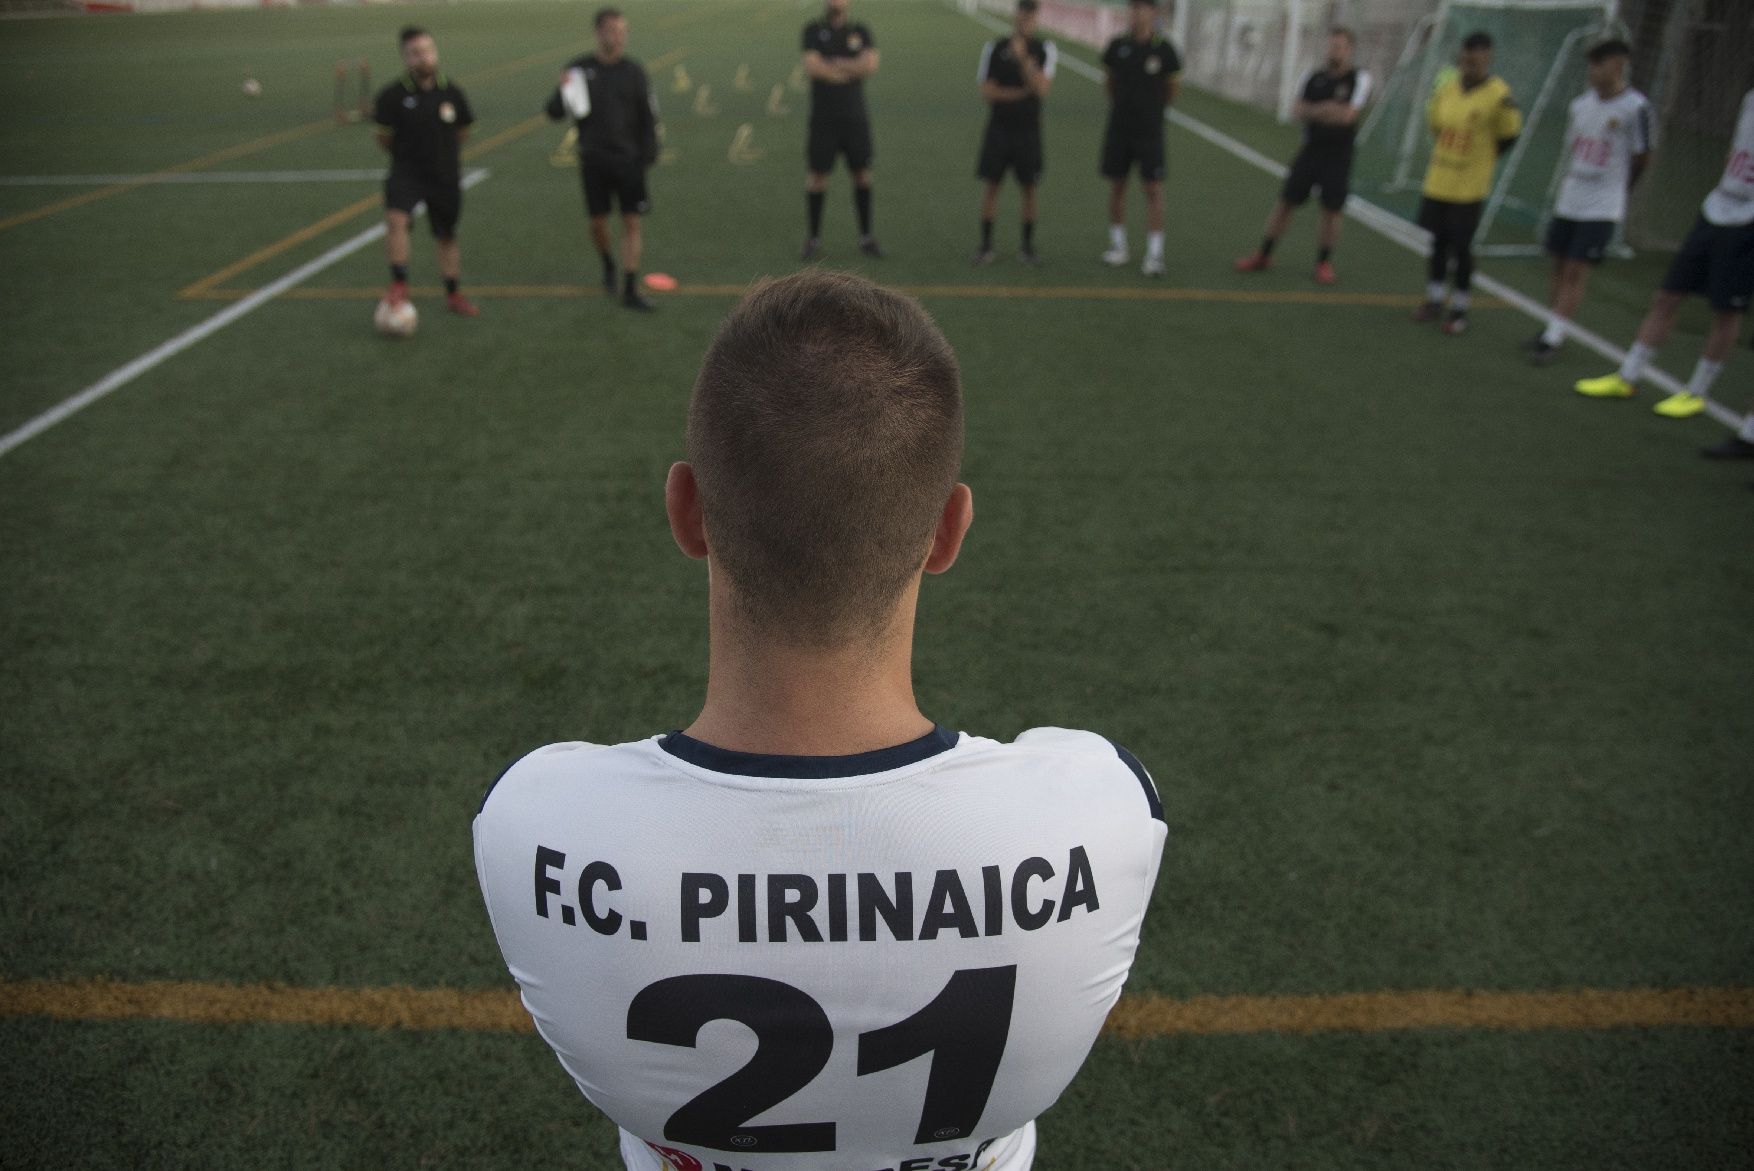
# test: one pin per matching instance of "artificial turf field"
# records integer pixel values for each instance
(1443, 670)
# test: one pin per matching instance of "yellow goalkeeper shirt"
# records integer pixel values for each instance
(1469, 124)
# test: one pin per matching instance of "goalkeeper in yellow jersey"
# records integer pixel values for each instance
(1475, 120)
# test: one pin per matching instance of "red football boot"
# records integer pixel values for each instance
(1254, 262)
(460, 305)
(1325, 274)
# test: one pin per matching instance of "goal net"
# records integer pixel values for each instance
(1538, 48)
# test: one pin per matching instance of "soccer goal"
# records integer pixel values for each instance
(1539, 49)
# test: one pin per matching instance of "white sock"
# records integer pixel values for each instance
(1555, 331)
(1637, 358)
(1154, 245)
(1746, 434)
(1704, 375)
(1117, 236)
(1434, 291)
(1458, 301)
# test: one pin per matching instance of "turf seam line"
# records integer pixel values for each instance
(1137, 1016)
(1397, 230)
(123, 375)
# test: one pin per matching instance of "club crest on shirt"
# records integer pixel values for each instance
(855, 42)
(409, 102)
(1124, 51)
(822, 34)
(1153, 65)
(1613, 125)
(447, 112)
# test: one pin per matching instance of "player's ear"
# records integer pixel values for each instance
(682, 504)
(953, 525)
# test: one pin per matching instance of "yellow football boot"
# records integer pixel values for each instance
(1680, 406)
(1607, 386)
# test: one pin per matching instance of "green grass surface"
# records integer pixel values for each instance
(1442, 669)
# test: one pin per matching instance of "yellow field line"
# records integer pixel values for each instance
(202, 163)
(960, 292)
(1137, 1017)
(204, 288)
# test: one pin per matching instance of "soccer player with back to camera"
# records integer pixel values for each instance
(778, 911)
(1332, 100)
(1015, 74)
(1716, 260)
(839, 54)
(607, 96)
(1142, 77)
(1608, 141)
(1476, 120)
(422, 120)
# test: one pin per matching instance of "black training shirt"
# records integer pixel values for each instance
(1141, 71)
(423, 126)
(999, 65)
(622, 126)
(837, 45)
(1352, 87)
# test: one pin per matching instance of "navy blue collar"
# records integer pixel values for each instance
(801, 768)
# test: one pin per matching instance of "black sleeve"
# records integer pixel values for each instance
(809, 41)
(648, 121)
(1172, 60)
(1309, 86)
(1108, 54)
(385, 113)
(465, 114)
(555, 109)
(865, 31)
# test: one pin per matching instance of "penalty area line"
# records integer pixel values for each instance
(194, 335)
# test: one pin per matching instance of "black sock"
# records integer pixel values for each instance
(399, 272)
(630, 283)
(450, 286)
(813, 200)
(986, 235)
(862, 205)
(1267, 246)
(608, 265)
(1323, 255)
(1029, 235)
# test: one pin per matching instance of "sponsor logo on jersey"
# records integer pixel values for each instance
(855, 42)
(447, 112)
(1153, 65)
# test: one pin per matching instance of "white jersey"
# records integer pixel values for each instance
(861, 963)
(1731, 202)
(1602, 138)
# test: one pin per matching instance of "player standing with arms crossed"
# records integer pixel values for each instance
(1015, 74)
(618, 143)
(422, 121)
(839, 54)
(814, 865)
(1716, 260)
(1475, 120)
(1143, 76)
(1333, 97)
(1608, 144)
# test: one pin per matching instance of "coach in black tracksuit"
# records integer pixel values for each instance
(618, 142)
(839, 54)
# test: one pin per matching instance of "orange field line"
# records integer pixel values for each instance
(1144, 1016)
(202, 163)
(204, 288)
(1029, 292)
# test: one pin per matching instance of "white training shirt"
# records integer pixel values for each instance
(1731, 202)
(1603, 137)
(886, 962)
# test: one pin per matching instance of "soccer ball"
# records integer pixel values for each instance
(396, 318)
(252, 88)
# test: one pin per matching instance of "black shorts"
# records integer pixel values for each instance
(830, 138)
(1013, 148)
(1330, 170)
(1717, 262)
(443, 199)
(1124, 149)
(1457, 221)
(1585, 240)
(618, 182)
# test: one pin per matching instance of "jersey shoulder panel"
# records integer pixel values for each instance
(1100, 750)
(531, 764)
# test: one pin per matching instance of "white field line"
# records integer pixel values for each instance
(1393, 227)
(158, 355)
(269, 177)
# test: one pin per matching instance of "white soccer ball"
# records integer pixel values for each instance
(396, 318)
(252, 88)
